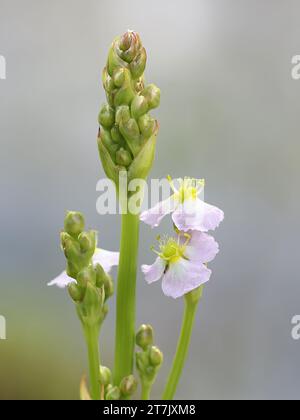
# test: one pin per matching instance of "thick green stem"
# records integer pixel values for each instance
(182, 348)
(92, 335)
(126, 291)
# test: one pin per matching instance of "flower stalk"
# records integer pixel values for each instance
(91, 334)
(126, 297)
(127, 142)
(191, 304)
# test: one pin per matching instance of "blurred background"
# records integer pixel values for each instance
(229, 113)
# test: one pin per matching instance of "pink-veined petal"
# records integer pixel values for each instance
(183, 277)
(61, 281)
(106, 259)
(197, 215)
(154, 216)
(155, 271)
(201, 248)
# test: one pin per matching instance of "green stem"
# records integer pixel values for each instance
(146, 389)
(182, 348)
(126, 291)
(91, 336)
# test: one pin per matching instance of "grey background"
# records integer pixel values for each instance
(229, 113)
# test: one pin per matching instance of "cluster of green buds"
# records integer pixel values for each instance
(92, 286)
(150, 358)
(127, 135)
(111, 392)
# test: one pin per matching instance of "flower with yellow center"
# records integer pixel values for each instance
(189, 211)
(181, 263)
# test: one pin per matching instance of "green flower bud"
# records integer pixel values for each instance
(78, 259)
(85, 276)
(108, 286)
(129, 45)
(119, 77)
(123, 157)
(70, 246)
(107, 81)
(105, 376)
(64, 239)
(144, 160)
(100, 275)
(138, 65)
(152, 94)
(112, 393)
(87, 241)
(131, 132)
(123, 114)
(144, 336)
(74, 223)
(116, 135)
(90, 309)
(108, 162)
(128, 386)
(139, 106)
(76, 292)
(147, 125)
(125, 41)
(106, 116)
(107, 141)
(155, 356)
(124, 96)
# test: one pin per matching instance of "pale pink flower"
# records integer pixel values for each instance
(181, 263)
(188, 211)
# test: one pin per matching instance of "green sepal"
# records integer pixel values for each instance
(142, 164)
(110, 168)
(90, 309)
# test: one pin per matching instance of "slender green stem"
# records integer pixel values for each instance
(146, 389)
(91, 336)
(182, 349)
(126, 291)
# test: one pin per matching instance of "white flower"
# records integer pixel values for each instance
(106, 259)
(189, 212)
(181, 263)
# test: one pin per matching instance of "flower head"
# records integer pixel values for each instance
(181, 263)
(127, 135)
(189, 211)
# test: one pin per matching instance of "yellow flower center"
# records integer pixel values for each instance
(189, 189)
(171, 250)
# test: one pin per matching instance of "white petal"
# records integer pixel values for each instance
(154, 216)
(155, 271)
(197, 215)
(183, 277)
(62, 281)
(106, 259)
(202, 247)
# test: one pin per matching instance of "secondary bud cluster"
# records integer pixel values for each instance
(126, 125)
(125, 390)
(92, 286)
(150, 359)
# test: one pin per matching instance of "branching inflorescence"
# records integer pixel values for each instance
(127, 143)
